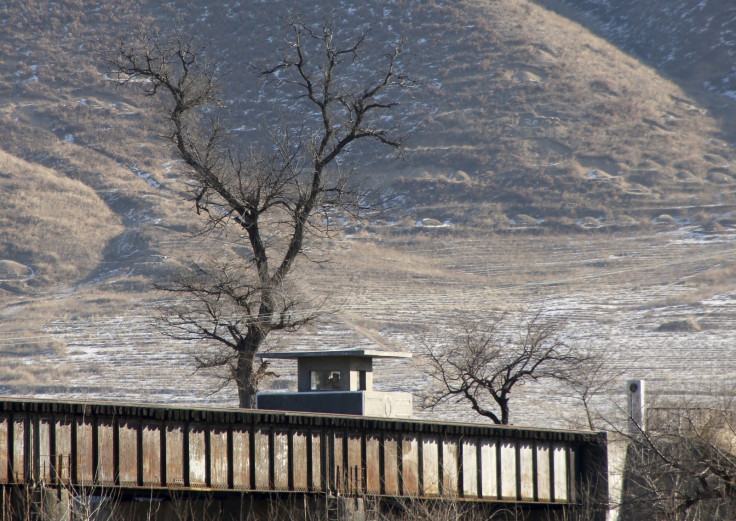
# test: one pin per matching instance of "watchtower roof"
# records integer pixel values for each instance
(363, 353)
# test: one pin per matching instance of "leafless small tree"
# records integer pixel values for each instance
(592, 382)
(486, 361)
(683, 466)
(275, 199)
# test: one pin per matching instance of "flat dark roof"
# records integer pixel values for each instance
(345, 353)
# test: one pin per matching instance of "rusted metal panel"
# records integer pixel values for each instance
(62, 458)
(218, 457)
(197, 455)
(355, 464)
(430, 466)
(299, 461)
(175, 454)
(560, 473)
(410, 465)
(489, 468)
(128, 452)
(85, 469)
(4, 450)
(316, 441)
(544, 484)
(470, 468)
(151, 454)
(44, 450)
(391, 464)
(526, 468)
(339, 478)
(373, 464)
(508, 470)
(19, 448)
(281, 460)
(572, 458)
(264, 452)
(262, 459)
(105, 452)
(241, 459)
(450, 468)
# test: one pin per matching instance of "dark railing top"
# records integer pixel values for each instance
(224, 415)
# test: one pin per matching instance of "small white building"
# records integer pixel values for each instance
(337, 382)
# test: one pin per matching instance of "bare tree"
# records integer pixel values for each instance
(683, 466)
(594, 378)
(276, 199)
(485, 362)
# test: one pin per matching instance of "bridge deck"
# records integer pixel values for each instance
(140, 446)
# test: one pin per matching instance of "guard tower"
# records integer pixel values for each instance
(337, 382)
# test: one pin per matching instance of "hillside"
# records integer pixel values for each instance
(545, 168)
(517, 115)
(690, 40)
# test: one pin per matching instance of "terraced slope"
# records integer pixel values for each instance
(546, 169)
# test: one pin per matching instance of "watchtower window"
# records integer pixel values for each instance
(324, 380)
(362, 384)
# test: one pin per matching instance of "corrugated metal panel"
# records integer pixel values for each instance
(526, 467)
(508, 470)
(316, 441)
(151, 454)
(300, 469)
(262, 459)
(44, 448)
(339, 477)
(105, 453)
(544, 485)
(63, 450)
(430, 466)
(4, 450)
(218, 457)
(373, 464)
(197, 456)
(560, 465)
(128, 452)
(391, 464)
(85, 470)
(241, 459)
(489, 468)
(470, 468)
(286, 453)
(410, 465)
(19, 431)
(450, 470)
(281, 460)
(355, 464)
(234, 417)
(175, 454)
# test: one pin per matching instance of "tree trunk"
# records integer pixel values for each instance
(245, 379)
(503, 404)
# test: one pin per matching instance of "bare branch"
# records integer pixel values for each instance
(274, 198)
(483, 364)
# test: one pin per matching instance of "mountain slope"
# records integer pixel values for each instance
(691, 40)
(518, 114)
(545, 169)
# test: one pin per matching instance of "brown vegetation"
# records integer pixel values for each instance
(543, 119)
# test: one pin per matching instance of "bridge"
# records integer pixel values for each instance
(149, 450)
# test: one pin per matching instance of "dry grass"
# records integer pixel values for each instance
(520, 112)
(56, 226)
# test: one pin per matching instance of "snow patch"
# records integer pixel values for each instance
(144, 175)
